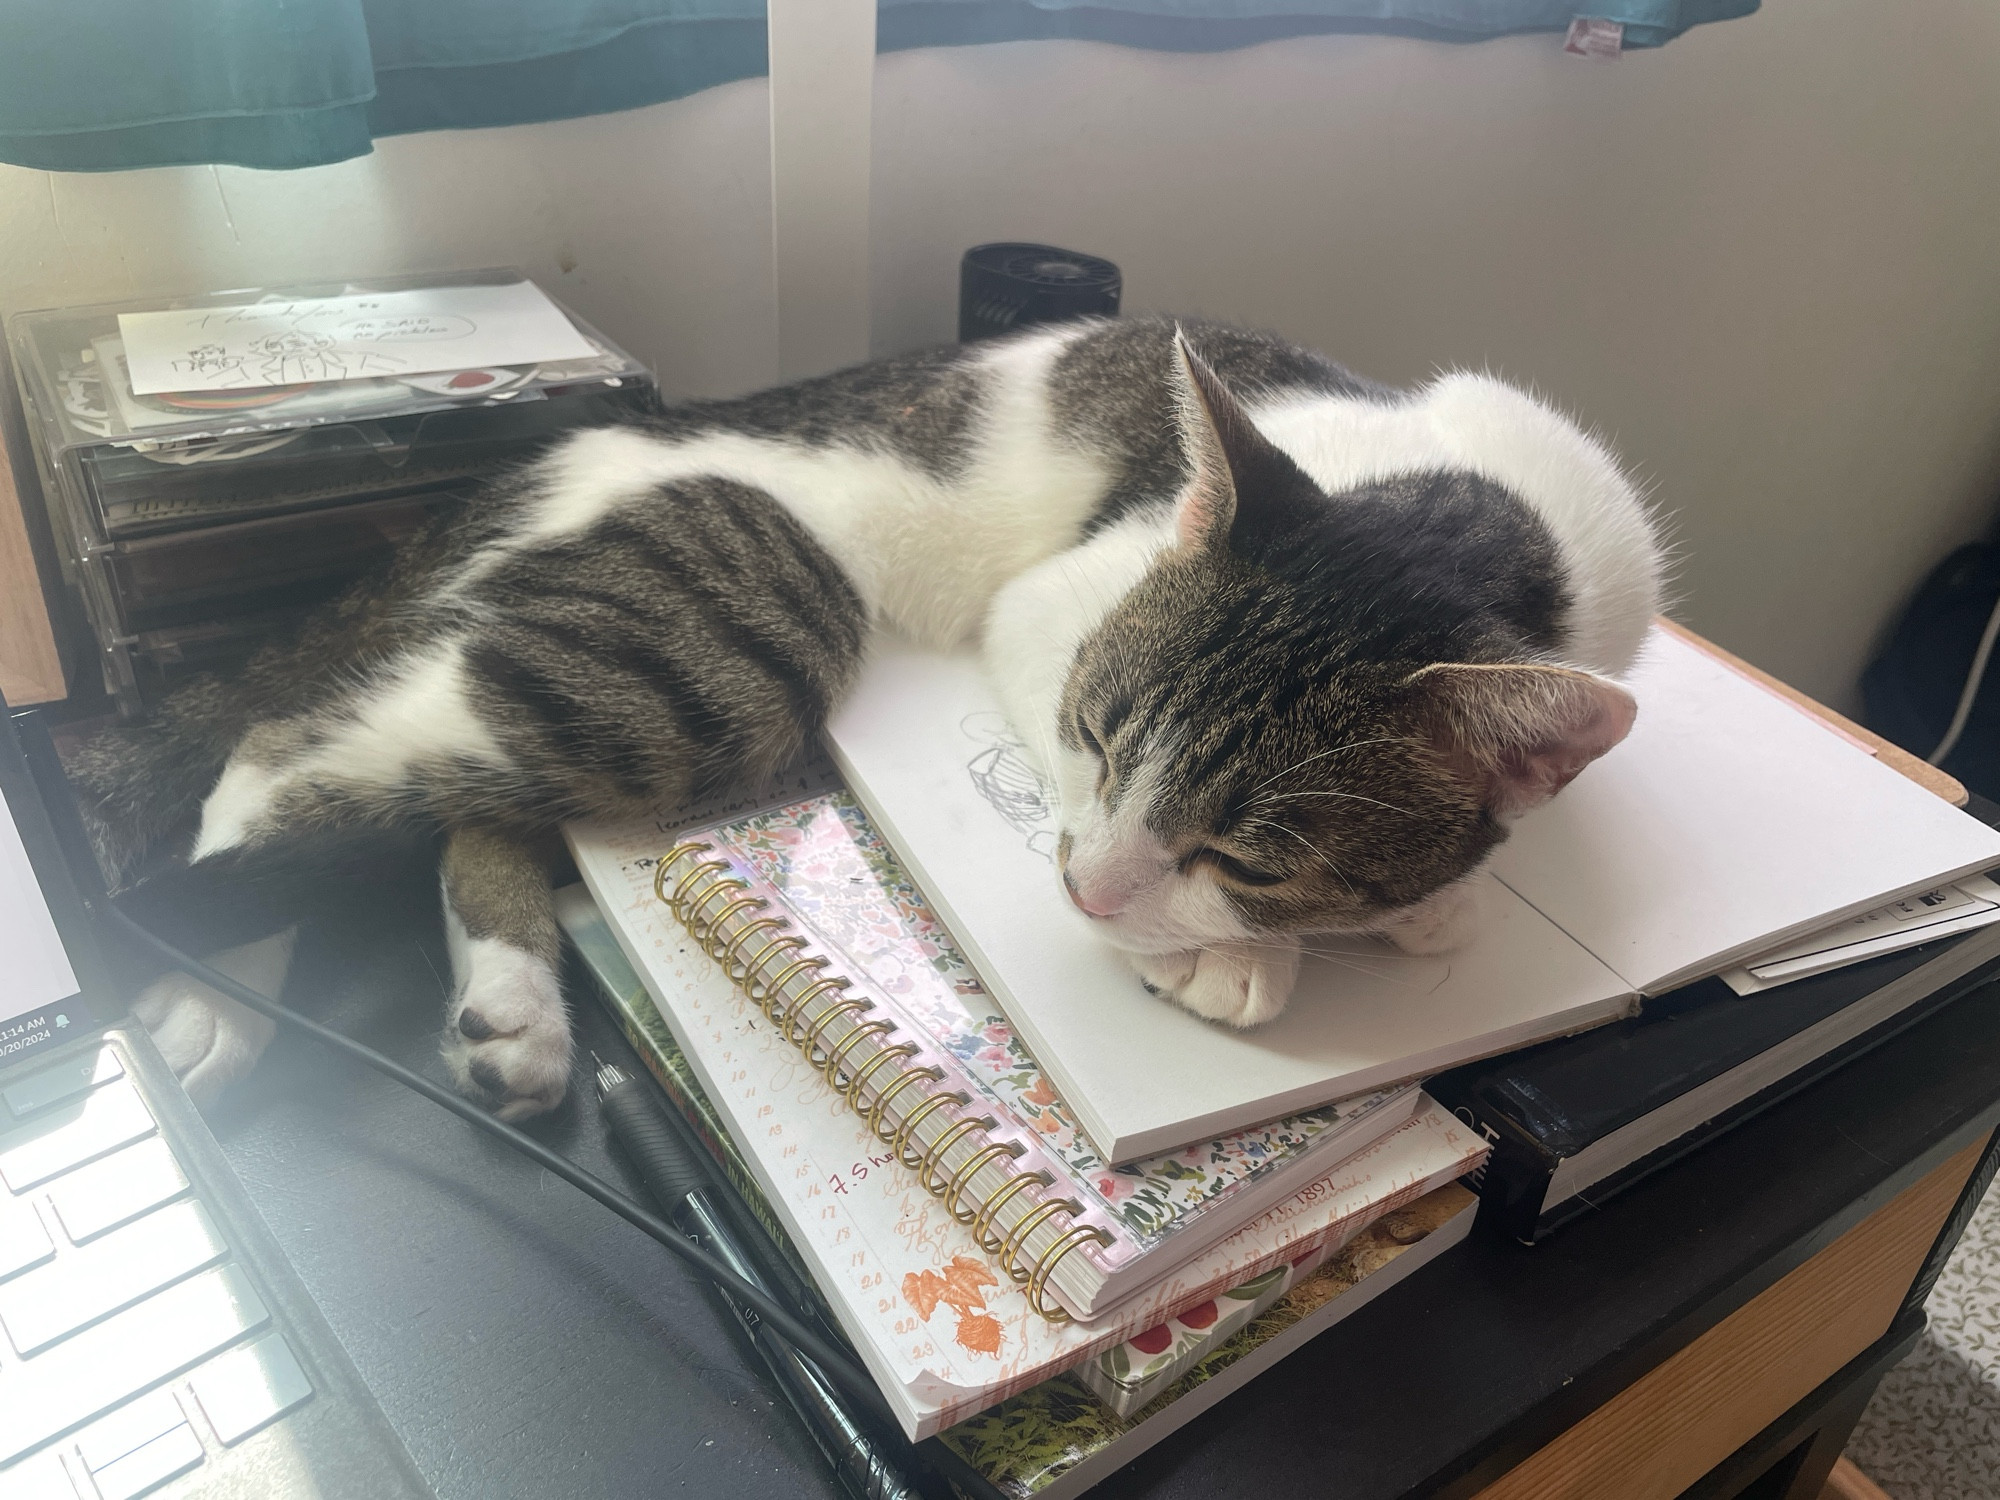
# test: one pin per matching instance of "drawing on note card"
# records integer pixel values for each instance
(305, 341)
(962, 1288)
(1004, 776)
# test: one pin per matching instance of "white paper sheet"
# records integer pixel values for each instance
(1969, 904)
(369, 334)
(1726, 824)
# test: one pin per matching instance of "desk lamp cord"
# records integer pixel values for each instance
(837, 1365)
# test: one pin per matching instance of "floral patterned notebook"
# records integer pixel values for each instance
(832, 877)
(1053, 1439)
(945, 1325)
(793, 894)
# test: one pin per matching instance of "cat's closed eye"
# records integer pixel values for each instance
(1233, 868)
(1096, 747)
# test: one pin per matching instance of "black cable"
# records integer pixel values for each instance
(836, 1364)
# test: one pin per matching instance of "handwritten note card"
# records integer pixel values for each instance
(295, 342)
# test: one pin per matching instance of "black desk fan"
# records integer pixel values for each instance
(1006, 286)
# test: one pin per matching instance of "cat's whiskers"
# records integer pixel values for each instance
(1386, 739)
(1332, 958)
(1317, 852)
(1351, 796)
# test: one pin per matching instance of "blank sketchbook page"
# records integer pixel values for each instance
(924, 746)
(1727, 822)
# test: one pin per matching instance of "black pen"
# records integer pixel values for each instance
(678, 1182)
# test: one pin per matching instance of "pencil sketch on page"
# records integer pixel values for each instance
(1006, 781)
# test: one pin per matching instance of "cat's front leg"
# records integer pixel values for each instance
(506, 1038)
(1442, 922)
(1239, 984)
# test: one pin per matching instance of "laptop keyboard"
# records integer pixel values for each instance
(135, 1348)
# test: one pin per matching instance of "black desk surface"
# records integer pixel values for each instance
(528, 1344)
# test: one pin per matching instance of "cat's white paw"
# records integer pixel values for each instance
(1445, 921)
(1237, 984)
(208, 1039)
(506, 1037)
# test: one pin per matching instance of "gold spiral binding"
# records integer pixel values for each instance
(899, 1142)
(706, 881)
(679, 852)
(902, 1081)
(1017, 1237)
(837, 1057)
(983, 1220)
(697, 917)
(774, 991)
(903, 1050)
(813, 1047)
(731, 959)
(693, 872)
(793, 1013)
(674, 856)
(755, 987)
(969, 1169)
(790, 940)
(701, 869)
(717, 949)
(1038, 1279)
(933, 1158)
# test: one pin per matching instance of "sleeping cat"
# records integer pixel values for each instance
(1291, 647)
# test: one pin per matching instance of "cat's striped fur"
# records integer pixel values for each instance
(1225, 560)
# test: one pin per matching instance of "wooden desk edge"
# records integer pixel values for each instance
(1894, 756)
(1653, 1439)
(30, 664)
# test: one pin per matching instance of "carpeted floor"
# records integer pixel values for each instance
(1933, 1429)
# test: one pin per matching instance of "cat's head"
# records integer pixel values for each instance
(1295, 721)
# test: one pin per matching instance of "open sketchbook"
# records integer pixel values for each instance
(1728, 823)
(944, 1333)
(794, 893)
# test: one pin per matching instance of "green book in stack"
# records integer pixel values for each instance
(1056, 1439)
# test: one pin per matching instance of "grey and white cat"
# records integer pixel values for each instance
(1292, 648)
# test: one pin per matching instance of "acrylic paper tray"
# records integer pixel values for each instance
(79, 397)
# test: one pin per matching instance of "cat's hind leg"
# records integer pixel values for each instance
(208, 1039)
(140, 786)
(506, 1039)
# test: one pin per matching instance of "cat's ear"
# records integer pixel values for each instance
(1520, 733)
(1233, 464)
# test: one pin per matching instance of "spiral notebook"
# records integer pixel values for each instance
(948, 1298)
(1055, 1438)
(830, 943)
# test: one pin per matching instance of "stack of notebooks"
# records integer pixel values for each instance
(969, 1236)
(1001, 1160)
(1058, 1437)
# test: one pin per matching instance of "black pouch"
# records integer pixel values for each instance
(1912, 689)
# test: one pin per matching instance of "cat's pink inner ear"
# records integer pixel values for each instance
(1522, 732)
(1208, 506)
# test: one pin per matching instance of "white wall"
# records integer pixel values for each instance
(655, 224)
(1766, 259)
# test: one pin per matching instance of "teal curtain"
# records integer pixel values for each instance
(101, 85)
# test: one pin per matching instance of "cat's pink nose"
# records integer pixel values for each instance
(1091, 906)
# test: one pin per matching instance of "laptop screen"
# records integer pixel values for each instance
(35, 971)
